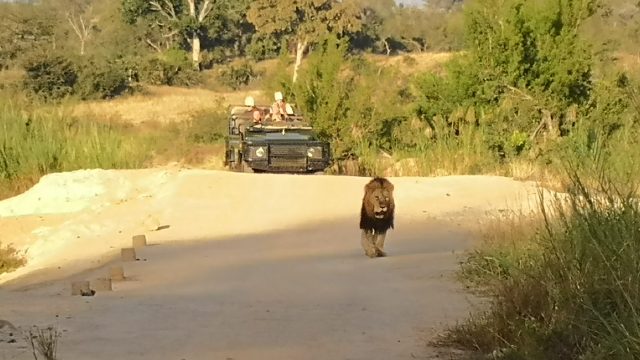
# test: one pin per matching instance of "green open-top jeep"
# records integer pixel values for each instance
(273, 146)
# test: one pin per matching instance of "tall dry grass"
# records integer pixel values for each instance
(10, 259)
(565, 285)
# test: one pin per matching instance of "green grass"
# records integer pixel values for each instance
(466, 154)
(565, 285)
(38, 139)
(34, 143)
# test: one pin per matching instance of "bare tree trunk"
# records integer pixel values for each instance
(386, 46)
(195, 51)
(199, 16)
(81, 28)
(195, 40)
(300, 48)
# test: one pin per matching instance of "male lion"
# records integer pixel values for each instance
(376, 215)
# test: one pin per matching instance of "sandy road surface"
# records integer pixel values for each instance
(290, 283)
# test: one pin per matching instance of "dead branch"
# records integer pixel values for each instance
(537, 130)
(522, 93)
(169, 12)
(205, 10)
(155, 46)
(171, 34)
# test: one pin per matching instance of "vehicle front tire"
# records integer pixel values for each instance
(244, 167)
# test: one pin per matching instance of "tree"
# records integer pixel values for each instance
(232, 31)
(525, 68)
(172, 18)
(24, 28)
(390, 27)
(304, 21)
(378, 14)
(83, 25)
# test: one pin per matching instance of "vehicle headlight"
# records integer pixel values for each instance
(315, 152)
(257, 152)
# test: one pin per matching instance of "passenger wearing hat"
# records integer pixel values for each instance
(256, 114)
(280, 109)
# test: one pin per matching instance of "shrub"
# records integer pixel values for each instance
(564, 289)
(237, 75)
(101, 80)
(44, 341)
(173, 68)
(49, 76)
(262, 47)
(212, 57)
(207, 127)
(9, 259)
(524, 59)
(343, 98)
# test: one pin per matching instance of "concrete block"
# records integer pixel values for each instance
(81, 288)
(101, 284)
(128, 254)
(139, 241)
(116, 273)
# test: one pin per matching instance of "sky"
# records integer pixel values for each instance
(410, 2)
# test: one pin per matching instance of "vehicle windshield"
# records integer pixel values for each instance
(257, 134)
(294, 121)
(291, 123)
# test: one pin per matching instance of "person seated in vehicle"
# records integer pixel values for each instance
(256, 114)
(280, 110)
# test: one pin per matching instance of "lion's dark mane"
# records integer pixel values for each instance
(368, 221)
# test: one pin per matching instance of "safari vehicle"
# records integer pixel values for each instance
(289, 146)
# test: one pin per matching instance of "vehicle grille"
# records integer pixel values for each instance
(288, 150)
(288, 157)
(288, 163)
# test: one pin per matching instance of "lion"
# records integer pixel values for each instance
(376, 216)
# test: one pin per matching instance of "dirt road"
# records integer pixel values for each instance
(273, 271)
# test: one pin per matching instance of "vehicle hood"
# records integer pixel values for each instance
(290, 135)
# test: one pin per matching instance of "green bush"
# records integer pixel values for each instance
(262, 47)
(173, 68)
(237, 75)
(523, 59)
(213, 57)
(343, 97)
(49, 76)
(101, 80)
(207, 127)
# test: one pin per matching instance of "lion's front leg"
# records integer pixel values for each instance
(379, 244)
(368, 245)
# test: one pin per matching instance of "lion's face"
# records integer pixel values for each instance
(379, 198)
